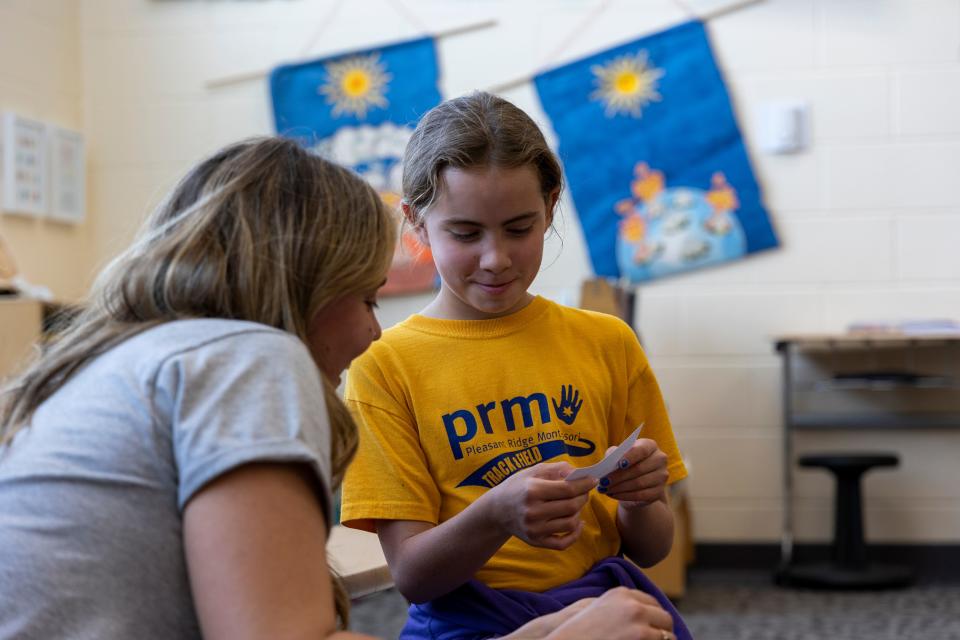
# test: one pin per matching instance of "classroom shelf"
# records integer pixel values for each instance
(827, 421)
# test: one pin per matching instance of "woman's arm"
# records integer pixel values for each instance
(536, 505)
(255, 546)
(619, 614)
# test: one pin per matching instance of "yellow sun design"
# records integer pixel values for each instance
(355, 85)
(626, 84)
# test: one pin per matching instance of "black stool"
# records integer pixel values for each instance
(849, 567)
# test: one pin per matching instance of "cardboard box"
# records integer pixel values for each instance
(599, 295)
(21, 323)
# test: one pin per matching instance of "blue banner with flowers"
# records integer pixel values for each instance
(654, 158)
(359, 110)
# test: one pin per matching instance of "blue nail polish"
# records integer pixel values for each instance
(602, 489)
(604, 482)
(624, 463)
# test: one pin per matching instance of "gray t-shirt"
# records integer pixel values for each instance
(92, 492)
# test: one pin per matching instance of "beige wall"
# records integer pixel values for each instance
(40, 78)
(869, 214)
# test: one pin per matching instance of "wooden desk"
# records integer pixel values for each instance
(863, 381)
(358, 558)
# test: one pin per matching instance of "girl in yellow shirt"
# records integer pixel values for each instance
(473, 412)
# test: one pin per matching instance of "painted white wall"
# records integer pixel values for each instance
(869, 214)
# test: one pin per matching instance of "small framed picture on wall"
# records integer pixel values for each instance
(25, 153)
(67, 175)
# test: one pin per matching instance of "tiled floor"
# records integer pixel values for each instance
(746, 605)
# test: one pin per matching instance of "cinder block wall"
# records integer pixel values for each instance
(869, 218)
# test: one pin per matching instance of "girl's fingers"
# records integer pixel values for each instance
(643, 457)
(550, 483)
(638, 498)
(559, 541)
(560, 526)
(546, 511)
(646, 490)
(638, 483)
(552, 470)
(581, 486)
(647, 474)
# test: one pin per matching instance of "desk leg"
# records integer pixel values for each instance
(786, 535)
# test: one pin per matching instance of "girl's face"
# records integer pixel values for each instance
(486, 231)
(343, 330)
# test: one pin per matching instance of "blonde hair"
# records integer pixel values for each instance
(476, 130)
(263, 231)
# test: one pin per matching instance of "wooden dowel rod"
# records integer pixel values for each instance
(716, 13)
(260, 73)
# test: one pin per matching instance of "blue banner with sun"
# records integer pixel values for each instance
(359, 109)
(654, 158)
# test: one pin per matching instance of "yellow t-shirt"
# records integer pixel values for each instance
(448, 409)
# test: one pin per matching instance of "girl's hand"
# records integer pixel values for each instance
(541, 508)
(642, 477)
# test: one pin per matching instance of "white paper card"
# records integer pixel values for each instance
(610, 462)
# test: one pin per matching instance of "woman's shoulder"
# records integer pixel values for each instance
(207, 343)
(197, 333)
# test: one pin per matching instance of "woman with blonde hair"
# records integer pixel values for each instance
(183, 434)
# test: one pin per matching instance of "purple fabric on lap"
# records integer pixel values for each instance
(474, 611)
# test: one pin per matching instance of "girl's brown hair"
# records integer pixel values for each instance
(263, 231)
(475, 130)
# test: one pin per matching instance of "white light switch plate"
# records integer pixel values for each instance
(784, 127)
